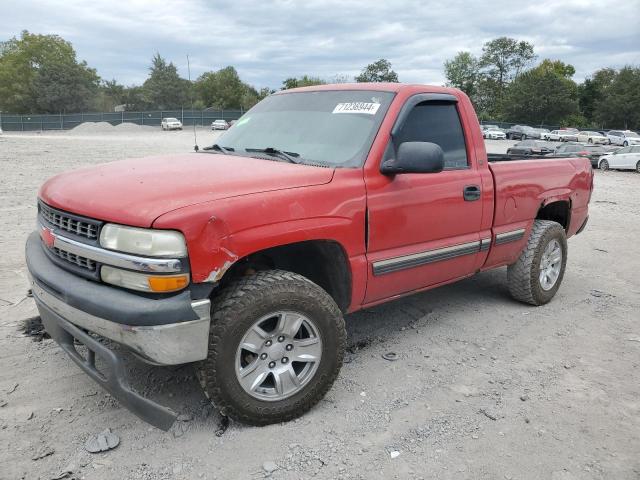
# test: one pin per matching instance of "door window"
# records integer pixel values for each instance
(439, 123)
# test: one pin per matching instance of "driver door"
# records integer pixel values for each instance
(424, 228)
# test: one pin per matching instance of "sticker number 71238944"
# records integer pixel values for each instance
(357, 107)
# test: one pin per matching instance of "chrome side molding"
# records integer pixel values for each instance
(511, 236)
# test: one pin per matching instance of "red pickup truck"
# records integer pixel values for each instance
(318, 202)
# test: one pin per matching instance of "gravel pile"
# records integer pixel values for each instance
(90, 128)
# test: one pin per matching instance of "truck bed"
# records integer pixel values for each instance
(521, 187)
(503, 157)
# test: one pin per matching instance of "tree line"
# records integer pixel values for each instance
(42, 74)
(504, 83)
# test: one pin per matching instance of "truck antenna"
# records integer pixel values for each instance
(195, 136)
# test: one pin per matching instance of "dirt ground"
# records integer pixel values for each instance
(484, 387)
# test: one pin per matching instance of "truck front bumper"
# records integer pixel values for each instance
(167, 331)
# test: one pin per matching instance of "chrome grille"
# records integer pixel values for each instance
(75, 259)
(69, 223)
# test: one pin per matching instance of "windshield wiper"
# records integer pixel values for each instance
(220, 148)
(289, 156)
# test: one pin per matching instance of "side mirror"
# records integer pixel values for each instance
(415, 157)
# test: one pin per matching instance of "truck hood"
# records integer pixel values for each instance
(137, 191)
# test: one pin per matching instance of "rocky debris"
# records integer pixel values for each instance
(66, 472)
(391, 356)
(489, 415)
(42, 452)
(394, 454)
(13, 389)
(32, 327)
(222, 426)
(184, 417)
(600, 293)
(269, 466)
(524, 398)
(102, 442)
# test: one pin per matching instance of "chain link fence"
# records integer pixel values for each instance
(67, 121)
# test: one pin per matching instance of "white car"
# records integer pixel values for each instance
(494, 134)
(592, 137)
(171, 123)
(627, 158)
(623, 137)
(556, 135)
(219, 125)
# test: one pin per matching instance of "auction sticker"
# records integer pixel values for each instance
(357, 107)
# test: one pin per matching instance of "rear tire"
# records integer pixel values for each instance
(638, 167)
(537, 274)
(252, 304)
(590, 140)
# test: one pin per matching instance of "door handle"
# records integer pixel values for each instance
(471, 193)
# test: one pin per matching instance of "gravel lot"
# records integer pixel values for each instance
(484, 387)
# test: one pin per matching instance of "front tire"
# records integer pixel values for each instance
(625, 144)
(604, 165)
(537, 274)
(276, 345)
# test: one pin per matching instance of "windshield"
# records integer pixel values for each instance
(171, 119)
(631, 134)
(334, 128)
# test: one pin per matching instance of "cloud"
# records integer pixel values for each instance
(268, 41)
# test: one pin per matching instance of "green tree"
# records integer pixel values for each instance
(542, 95)
(379, 71)
(224, 89)
(110, 94)
(462, 72)
(594, 89)
(64, 87)
(304, 81)
(40, 73)
(164, 89)
(502, 60)
(619, 106)
(134, 99)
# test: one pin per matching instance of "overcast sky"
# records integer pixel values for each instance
(269, 41)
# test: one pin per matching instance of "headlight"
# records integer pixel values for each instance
(143, 282)
(143, 241)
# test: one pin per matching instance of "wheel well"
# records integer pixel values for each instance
(324, 262)
(559, 212)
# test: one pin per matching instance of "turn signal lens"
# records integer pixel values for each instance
(169, 283)
(143, 282)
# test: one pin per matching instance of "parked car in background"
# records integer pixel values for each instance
(491, 127)
(589, 136)
(627, 158)
(623, 137)
(219, 125)
(522, 132)
(569, 135)
(542, 132)
(552, 136)
(592, 152)
(171, 123)
(494, 134)
(530, 147)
